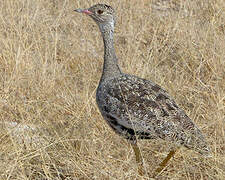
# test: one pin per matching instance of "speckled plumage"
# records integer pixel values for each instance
(134, 107)
(138, 108)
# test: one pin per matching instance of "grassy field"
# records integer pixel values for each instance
(50, 64)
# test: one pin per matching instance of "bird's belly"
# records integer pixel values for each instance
(128, 133)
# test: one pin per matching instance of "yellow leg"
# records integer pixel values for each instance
(164, 163)
(139, 159)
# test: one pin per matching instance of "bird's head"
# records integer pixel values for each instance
(102, 14)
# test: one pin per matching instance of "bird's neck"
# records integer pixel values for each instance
(110, 67)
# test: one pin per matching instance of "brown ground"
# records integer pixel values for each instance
(50, 64)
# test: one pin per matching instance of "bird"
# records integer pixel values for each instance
(136, 108)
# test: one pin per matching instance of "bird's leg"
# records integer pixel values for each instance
(139, 158)
(164, 163)
(137, 152)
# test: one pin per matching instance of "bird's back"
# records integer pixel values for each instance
(138, 108)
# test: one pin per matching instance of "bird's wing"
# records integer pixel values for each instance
(144, 106)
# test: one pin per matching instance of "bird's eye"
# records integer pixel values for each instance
(99, 11)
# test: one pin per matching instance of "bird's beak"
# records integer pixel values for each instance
(85, 11)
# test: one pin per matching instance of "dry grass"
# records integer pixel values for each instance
(50, 64)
